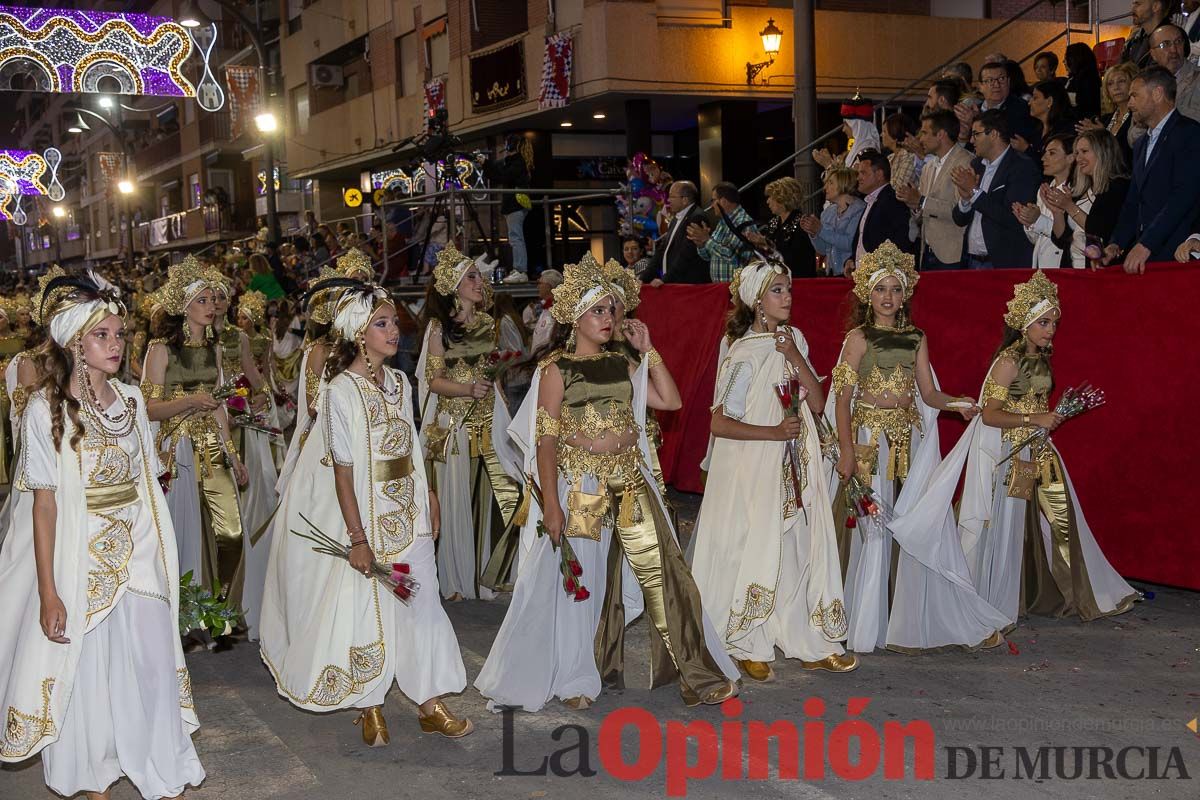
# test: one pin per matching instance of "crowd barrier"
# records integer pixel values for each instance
(1130, 335)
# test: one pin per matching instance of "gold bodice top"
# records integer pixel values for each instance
(1029, 392)
(597, 396)
(889, 364)
(190, 369)
(10, 345)
(464, 363)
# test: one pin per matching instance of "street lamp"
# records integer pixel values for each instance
(79, 125)
(771, 39)
(125, 186)
(190, 16)
(59, 212)
(105, 101)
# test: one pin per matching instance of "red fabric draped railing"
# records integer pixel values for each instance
(1125, 334)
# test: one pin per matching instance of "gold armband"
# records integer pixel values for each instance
(230, 448)
(653, 359)
(546, 425)
(153, 391)
(20, 398)
(312, 385)
(993, 391)
(843, 376)
(434, 365)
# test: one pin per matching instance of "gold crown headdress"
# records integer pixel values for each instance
(355, 263)
(886, 261)
(149, 304)
(219, 280)
(451, 266)
(254, 306)
(626, 280)
(185, 280)
(40, 302)
(8, 307)
(321, 301)
(583, 284)
(1031, 300)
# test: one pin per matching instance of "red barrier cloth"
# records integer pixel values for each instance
(1125, 334)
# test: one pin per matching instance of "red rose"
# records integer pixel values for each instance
(236, 403)
(582, 594)
(402, 592)
(401, 567)
(576, 568)
(164, 481)
(569, 584)
(851, 522)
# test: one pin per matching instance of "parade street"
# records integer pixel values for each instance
(1122, 684)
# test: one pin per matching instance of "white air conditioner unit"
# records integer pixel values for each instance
(325, 76)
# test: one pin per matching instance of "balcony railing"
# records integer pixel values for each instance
(150, 156)
(215, 128)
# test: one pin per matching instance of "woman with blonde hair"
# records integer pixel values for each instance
(1091, 213)
(1117, 119)
(832, 234)
(782, 233)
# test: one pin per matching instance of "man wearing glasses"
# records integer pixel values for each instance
(997, 88)
(1170, 49)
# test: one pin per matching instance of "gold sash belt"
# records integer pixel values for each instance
(393, 468)
(110, 498)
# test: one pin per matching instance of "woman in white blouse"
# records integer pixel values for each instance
(1042, 220)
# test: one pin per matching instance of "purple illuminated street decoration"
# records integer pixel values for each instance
(26, 173)
(65, 50)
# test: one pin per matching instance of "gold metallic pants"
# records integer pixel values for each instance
(672, 601)
(497, 496)
(220, 516)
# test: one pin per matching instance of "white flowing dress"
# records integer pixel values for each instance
(332, 638)
(117, 700)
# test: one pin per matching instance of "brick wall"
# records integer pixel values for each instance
(498, 20)
(876, 6)
(383, 56)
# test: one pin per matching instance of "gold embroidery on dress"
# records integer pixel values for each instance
(312, 384)
(843, 376)
(897, 425)
(20, 398)
(575, 462)
(110, 551)
(758, 604)
(153, 391)
(434, 365)
(594, 425)
(993, 391)
(1032, 403)
(831, 619)
(185, 688)
(545, 425)
(23, 731)
(396, 527)
(113, 465)
(898, 382)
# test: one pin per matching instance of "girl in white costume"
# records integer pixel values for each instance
(766, 561)
(463, 420)
(91, 671)
(332, 636)
(582, 430)
(180, 376)
(908, 592)
(1028, 547)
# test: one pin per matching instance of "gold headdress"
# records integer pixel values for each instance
(254, 306)
(322, 302)
(8, 307)
(39, 297)
(886, 261)
(150, 304)
(185, 280)
(1031, 300)
(626, 281)
(356, 264)
(219, 281)
(583, 284)
(451, 266)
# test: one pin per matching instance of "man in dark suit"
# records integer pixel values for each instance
(999, 177)
(885, 218)
(1161, 206)
(675, 257)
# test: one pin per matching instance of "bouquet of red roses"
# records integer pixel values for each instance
(234, 392)
(791, 394)
(864, 505)
(569, 566)
(397, 577)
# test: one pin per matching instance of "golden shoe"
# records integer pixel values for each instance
(443, 722)
(719, 695)
(834, 663)
(374, 727)
(579, 703)
(995, 640)
(755, 670)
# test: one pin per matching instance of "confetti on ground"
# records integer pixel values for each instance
(1013, 649)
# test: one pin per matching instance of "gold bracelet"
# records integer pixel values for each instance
(230, 448)
(653, 359)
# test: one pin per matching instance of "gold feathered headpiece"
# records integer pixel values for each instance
(626, 282)
(254, 306)
(583, 284)
(185, 280)
(40, 301)
(886, 261)
(451, 266)
(1031, 300)
(322, 302)
(355, 264)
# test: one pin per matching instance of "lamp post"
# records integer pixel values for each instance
(126, 186)
(771, 39)
(190, 16)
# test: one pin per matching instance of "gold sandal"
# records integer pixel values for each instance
(374, 727)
